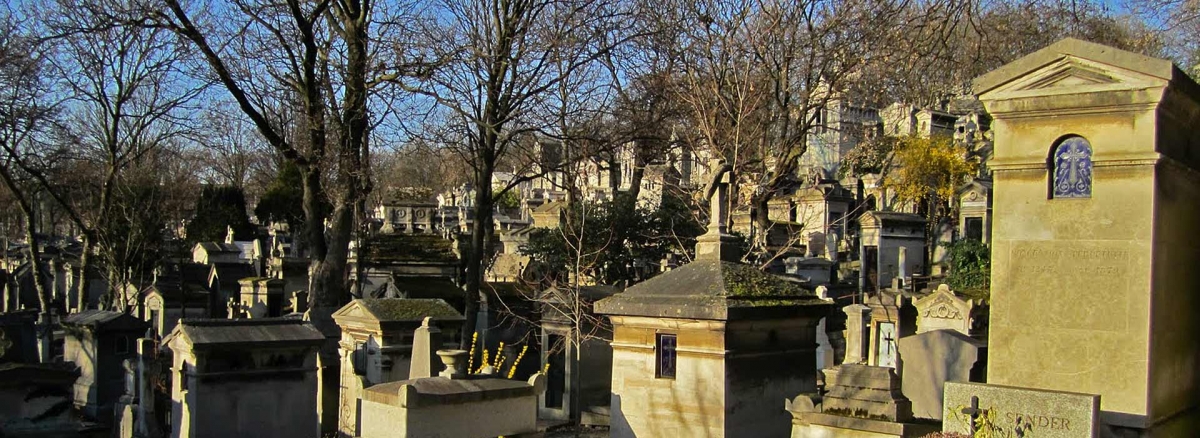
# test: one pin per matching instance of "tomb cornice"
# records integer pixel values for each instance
(1034, 163)
(1080, 104)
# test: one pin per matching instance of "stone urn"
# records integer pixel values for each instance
(456, 363)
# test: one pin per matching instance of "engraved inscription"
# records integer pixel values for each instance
(1049, 281)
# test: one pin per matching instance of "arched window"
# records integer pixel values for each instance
(1071, 169)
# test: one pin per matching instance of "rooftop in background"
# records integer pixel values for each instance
(386, 249)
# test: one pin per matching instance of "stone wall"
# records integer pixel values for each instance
(691, 404)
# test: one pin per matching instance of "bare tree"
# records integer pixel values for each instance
(125, 96)
(321, 58)
(500, 66)
(232, 151)
(25, 114)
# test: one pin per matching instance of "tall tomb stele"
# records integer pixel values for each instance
(1094, 245)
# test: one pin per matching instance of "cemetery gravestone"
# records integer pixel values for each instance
(1011, 411)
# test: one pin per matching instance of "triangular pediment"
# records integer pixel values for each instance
(1070, 74)
(354, 310)
(1074, 66)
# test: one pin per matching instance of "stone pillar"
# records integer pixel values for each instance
(45, 333)
(299, 301)
(902, 267)
(146, 425)
(857, 333)
(426, 342)
(831, 247)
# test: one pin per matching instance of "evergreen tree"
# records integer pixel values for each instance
(284, 198)
(218, 208)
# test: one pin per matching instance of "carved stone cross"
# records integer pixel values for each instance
(717, 243)
(718, 197)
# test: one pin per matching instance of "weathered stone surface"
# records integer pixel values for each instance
(821, 425)
(1037, 413)
(437, 406)
(857, 333)
(249, 377)
(426, 341)
(930, 360)
(865, 392)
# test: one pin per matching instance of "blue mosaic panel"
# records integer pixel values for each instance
(1073, 169)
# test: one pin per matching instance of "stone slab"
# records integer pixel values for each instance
(821, 425)
(930, 360)
(1043, 414)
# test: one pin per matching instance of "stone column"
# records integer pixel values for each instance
(146, 425)
(831, 247)
(902, 267)
(857, 333)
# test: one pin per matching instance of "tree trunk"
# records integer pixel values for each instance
(479, 234)
(314, 230)
(760, 213)
(35, 266)
(635, 179)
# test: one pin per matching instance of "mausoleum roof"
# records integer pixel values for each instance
(384, 310)
(1159, 68)
(104, 318)
(711, 289)
(266, 332)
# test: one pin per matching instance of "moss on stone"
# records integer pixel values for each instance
(409, 309)
(404, 248)
(745, 281)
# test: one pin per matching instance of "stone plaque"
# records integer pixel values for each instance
(1098, 270)
(1021, 411)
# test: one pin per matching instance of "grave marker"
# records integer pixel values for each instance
(1012, 411)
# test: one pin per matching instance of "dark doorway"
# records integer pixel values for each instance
(556, 376)
(870, 264)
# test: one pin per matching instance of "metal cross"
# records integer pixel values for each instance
(973, 412)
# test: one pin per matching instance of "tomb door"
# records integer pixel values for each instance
(870, 263)
(975, 228)
(885, 349)
(556, 376)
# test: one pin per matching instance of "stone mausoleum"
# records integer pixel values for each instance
(1094, 249)
(711, 348)
(244, 377)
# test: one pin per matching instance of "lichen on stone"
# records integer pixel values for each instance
(745, 281)
(409, 309)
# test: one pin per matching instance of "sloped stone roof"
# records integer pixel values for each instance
(267, 332)
(104, 318)
(396, 310)
(410, 309)
(711, 289)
